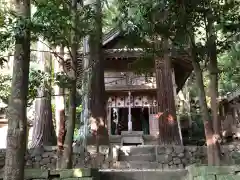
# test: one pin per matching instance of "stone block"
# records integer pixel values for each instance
(160, 149)
(35, 173)
(38, 158)
(53, 160)
(165, 166)
(48, 154)
(191, 148)
(142, 150)
(168, 150)
(45, 161)
(50, 148)
(151, 165)
(38, 151)
(181, 155)
(164, 158)
(176, 160)
(178, 149)
(142, 157)
(180, 166)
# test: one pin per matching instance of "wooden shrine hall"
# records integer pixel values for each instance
(131, 103)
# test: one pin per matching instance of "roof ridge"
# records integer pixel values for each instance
(113, 33)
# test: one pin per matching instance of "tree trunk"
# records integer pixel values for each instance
(43, 128)
(212, 143)
(168, 126)
(17, 120)
(60, 109)
(85, 90)
(67, 154)
(213, 70)
(97, 94)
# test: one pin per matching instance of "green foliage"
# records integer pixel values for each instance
(36, 79)
(229, 78)
(110, 14)
(62, 80)
(5, 82)
(52, 20)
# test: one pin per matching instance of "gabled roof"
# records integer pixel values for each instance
(111, 35)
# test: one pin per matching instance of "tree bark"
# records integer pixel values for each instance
(212, 142)
(213, 70)
(168, 126)
(60, 109)
(43, 128)
(97, 90)
(67, 154)
(17, 120)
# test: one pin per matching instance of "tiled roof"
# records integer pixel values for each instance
(110, 36)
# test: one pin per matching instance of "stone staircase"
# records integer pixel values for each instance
(137, 157)
(140, 163)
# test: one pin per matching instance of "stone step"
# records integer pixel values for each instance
(137, 150)
(145, 165)
(147, 174)
(137, 165)
(143, 157)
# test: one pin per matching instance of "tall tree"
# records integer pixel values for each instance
(60, 107)
(208, 127)
(97, 90)
(43, 128)
(17, 121)
(67, 154)
(195, 52)
(213, 85)
(168, 127)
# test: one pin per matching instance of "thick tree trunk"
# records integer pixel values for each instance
(17, 120)
(168, 126)
(67, 154)
(43, 128)
(97, 90)
(60, 110)
(212, 142)
(213, 70)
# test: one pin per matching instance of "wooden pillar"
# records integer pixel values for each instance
(109, 120)
(129, 113)
(168, 128)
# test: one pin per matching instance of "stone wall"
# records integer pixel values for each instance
(182, 156)
(46, 157)
(165, 157)
(172, 157)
